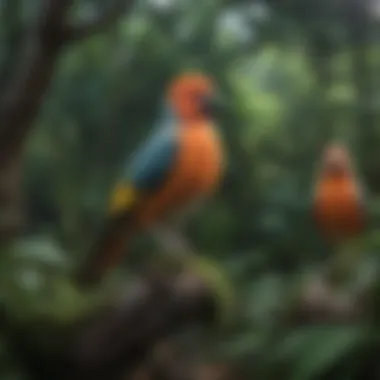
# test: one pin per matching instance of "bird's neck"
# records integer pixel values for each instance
(336, 181)
(338, 176)
(195, 121)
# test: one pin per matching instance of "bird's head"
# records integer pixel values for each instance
(192, 96)
(336, 160)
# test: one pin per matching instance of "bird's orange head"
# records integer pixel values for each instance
(192, 96)
(336, 160)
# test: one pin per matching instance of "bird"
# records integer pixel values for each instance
(166, 180)
(339, 209)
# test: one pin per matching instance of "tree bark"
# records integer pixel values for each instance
(21, 101)
(112, 343)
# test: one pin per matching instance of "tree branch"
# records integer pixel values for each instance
(98, 23)
(120, 340)
(114, 342)
(20, 102)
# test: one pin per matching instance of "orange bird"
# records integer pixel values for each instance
(339, 201)
(181, 164)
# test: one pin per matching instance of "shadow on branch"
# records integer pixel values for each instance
(112, 343)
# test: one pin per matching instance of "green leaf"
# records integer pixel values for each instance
(312, 350)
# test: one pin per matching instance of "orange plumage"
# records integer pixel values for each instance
(338, 201)
(196, 172)
(183, 167)
(199, 163)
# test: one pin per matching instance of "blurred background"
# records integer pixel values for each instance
(295, 74)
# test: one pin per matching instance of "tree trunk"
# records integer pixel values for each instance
(11, 207)
(21, 101)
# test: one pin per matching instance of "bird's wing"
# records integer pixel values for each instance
(147, 170)
(145, 173)
(151, 165)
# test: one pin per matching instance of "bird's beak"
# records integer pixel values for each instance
(212, 105)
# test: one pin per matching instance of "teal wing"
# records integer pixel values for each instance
(152, 163)
(147, 171)
(148, 168)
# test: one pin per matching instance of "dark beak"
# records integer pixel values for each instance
(212, 105)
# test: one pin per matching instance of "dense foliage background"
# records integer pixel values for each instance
(295, 74)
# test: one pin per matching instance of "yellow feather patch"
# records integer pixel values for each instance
(122, 199)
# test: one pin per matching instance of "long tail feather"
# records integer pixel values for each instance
(106, 253)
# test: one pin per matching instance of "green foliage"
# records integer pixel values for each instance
(312, 351)
(289, 88)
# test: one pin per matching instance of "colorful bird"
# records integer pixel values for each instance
(339, 200)
(180, 165)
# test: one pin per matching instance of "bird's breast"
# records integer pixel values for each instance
(338, 207)
(200, 159)
(195, 174)
(337, 197)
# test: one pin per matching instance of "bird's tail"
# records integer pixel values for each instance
(107, 251)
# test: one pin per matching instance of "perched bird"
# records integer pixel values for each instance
(180, 165)
(339, 200)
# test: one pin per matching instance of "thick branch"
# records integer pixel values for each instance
(97, 24)
(113, 343)
(120, 340)
(22, 100)
(20, 103)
